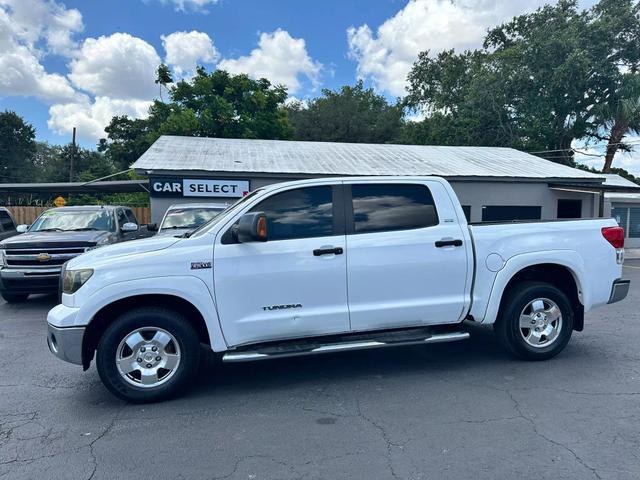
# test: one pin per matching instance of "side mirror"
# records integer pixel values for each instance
(129, 227)
(22, 228)
(152, 227)
(252, 227)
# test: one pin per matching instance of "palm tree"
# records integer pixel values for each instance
(620, 116)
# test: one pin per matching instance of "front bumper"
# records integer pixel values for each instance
(22, 281)
(619, 290)
(66, 343)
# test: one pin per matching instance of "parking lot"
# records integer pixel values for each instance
(444, 411)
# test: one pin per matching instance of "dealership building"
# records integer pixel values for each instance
(493, 184)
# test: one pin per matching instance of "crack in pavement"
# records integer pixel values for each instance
(244, 458)
(385, 437)
(550, 440)
(99, 437)
(530, 420)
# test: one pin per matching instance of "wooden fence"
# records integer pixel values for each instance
(26, 215)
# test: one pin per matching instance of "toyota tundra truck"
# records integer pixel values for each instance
(329, 265)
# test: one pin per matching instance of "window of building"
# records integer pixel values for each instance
(621, 215)
(505, 213)
(634, 222)
(569, 208)
(387, 207)
(300, 213)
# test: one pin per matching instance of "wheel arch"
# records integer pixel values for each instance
(562, 269)
(105, 315)
(560, 276)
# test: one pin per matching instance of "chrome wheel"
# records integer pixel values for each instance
(148, 357)
(540, 322)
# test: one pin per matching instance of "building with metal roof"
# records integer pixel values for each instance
(305, 159)
(625, 207)
(492, 183)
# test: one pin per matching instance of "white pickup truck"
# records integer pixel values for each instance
(329, 265)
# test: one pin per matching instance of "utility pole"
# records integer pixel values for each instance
(73, 154)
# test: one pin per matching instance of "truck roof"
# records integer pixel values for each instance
(87, 208)
(369, 178)
(200, 205)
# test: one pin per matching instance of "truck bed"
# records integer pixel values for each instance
(499, 247)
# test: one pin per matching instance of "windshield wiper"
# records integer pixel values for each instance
(50, 230)
(175, 227)
(82, 229)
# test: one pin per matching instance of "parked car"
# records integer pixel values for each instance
(31, 262)
(180, 218)
(7, 224)
(329, 265)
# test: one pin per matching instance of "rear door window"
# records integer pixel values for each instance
(6, 224)
(122, 218)
(389, 207)
(130, 216)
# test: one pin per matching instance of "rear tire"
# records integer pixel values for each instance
(147, 355)
(535, 321)
(14, 297)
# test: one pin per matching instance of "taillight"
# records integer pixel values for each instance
(614, 235)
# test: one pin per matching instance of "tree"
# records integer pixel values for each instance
(351, 114)
(17, 148)
(214, 104)
(163, 78)
(619, 116)
(537, 80)
(52, 164)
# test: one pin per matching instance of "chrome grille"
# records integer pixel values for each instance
(46, 258)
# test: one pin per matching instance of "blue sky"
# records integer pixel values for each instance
(69, 63)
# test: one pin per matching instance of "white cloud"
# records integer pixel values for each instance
(33, 21)
(186, 50)
(191, 5)
(119, 66)
(386, 56)
(280, 58)
(91, 118)
(25, 25)
(119, 71)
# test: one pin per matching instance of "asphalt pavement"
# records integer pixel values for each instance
(449, 411)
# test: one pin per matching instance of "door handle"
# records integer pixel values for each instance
(326, 251)
(449, 243)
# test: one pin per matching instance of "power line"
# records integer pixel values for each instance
(631, 142)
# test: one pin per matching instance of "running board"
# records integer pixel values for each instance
(248, 356)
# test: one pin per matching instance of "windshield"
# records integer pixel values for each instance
(189, 217)
(73, 220)
(229, 211)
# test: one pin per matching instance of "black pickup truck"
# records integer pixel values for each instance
(31, 262)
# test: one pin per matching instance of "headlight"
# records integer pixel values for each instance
(72, 280)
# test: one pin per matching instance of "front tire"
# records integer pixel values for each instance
(535, 321)
(148, 355)
(14, 297)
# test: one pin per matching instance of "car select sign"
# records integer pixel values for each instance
(198, 187)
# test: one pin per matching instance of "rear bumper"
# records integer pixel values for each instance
(619, 290)
(29, 281)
